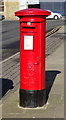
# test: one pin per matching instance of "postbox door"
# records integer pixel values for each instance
(32, 60)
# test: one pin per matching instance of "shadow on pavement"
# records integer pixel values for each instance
(5, 86)
(50, 78)
(8, 84)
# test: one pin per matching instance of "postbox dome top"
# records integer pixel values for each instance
(32, 12)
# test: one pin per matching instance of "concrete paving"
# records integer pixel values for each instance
(54, 107)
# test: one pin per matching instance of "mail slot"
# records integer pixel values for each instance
(28, 28)
(32, 56)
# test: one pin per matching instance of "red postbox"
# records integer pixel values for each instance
(32, 56)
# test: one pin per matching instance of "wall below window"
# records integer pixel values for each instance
(9, 10)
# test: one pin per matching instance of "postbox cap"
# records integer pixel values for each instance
(32, 12)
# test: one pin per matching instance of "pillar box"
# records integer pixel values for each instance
(32, 56)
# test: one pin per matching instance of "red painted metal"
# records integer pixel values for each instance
(32, 62)
(32, 12)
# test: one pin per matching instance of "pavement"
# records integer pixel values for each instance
(54, 107)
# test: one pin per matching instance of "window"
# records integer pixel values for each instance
(1, 6)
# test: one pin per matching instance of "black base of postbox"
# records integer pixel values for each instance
(32, 98)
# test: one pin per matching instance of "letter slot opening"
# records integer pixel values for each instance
(28, 27)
